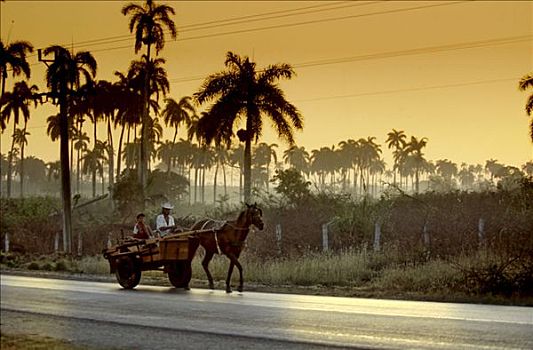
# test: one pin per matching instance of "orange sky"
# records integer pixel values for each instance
(464, 99)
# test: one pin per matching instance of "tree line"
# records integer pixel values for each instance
(236, 102)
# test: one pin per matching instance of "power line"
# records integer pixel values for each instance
(227, 21)
(240, 31)
(391, 54)
(480, 82)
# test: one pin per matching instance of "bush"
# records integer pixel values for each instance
(33, 266)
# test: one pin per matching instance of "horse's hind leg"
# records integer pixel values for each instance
(234, 262)
(228, 279)
(205, 264)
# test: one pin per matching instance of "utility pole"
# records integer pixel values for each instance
(62, 98)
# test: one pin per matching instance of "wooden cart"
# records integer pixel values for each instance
(172, 255)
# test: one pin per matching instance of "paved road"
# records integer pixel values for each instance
(103, 315)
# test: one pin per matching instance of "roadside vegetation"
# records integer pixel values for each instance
(431, 245)
(35, 342)
(337, 218)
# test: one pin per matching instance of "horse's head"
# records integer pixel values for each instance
(255, 215)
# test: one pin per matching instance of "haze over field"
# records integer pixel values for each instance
(356, 73)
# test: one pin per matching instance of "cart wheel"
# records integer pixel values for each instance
(127, 273)
(179, 274)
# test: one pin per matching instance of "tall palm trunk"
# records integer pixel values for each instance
(110, 157)
(203, 185)
(215, 185)
(416, 180)
(248, 161)
(119, 155)
(94, 151)
(224, 176)
(10, 162)
(22, 163)
(195, 183)
(65, 170)
(146, 98)
(78, 171)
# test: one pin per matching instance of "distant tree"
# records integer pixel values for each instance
(414, 148)
(35, 170)
(264, 154)
(446, 168)
(17, 104)
(525, 83)
(298, 158)
(528, 168)
(396, 140)
(291, 184)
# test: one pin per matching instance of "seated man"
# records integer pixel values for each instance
(165, 222)
(141, 230)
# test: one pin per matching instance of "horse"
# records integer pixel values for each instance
(228, 238)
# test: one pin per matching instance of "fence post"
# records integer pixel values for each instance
(7, 242)
(278, 238)
(325, 237)
(481, 230)
(80, 244)
(56, 242)
(426, 234)
(377, 236)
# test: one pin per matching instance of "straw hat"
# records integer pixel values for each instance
(167, 205)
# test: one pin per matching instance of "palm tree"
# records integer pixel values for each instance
(63, 77)
(446, 168)
(241, 91)
(221, 158)
(93, 162)
(129, 109)
(350, 152)
(414, 149)
(236, 160)
(298, 158)
(263, 156)
(54, 170)
(492, 166)
(155, 76)
(16, 103)
(321, 163)
(369, 152)
(13, 56)
(177, 113)
(19, 138)
(165, 151)
(81, 142)
(396, 139)
(525, 83)
(148, 22)
(466, 176)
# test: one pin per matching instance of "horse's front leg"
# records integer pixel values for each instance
(234, 262)
(205, 264)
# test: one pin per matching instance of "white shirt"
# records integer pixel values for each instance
(161, 222)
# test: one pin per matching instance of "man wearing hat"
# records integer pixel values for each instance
(165, 222)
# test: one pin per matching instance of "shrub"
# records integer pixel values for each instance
(33, 266)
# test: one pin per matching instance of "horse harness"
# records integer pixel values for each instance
(220, 225)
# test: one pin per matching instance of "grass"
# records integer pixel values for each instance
(347, 273)
(34, 342)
